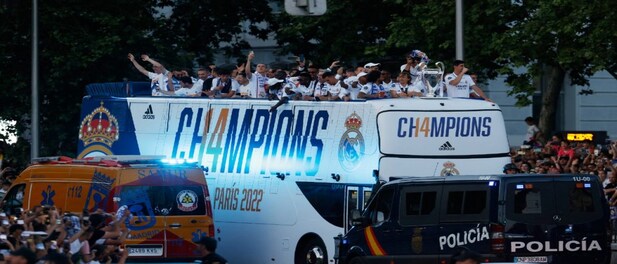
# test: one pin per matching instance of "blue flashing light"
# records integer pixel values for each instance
(520, 186)
(587, 185)
(492, 183)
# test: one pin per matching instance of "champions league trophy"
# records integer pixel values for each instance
(433, 79)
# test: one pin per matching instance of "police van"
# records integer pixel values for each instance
(168, 200)
(505, 218)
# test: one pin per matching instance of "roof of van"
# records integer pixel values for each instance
(495, 177)
(115, 161)
(435, 104)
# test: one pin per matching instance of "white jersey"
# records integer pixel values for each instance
(184, 91)
(462, 89)
(248, 90)
(387, 87)
(158, 81)
(259, 84)
(336, 90)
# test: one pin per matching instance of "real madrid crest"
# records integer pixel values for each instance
(449, 169)
(98, 131)
(351, 147)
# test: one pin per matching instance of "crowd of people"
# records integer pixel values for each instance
(558, 155)
(307, 81)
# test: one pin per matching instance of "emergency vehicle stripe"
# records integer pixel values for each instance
(373, 244)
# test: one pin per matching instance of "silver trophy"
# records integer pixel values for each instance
(433, 79)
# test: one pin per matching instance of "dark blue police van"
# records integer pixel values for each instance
(505, 218)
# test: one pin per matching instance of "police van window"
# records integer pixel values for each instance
(381, 208)
(164, 200)
(418, 205)
(466, 202)
(582, 203)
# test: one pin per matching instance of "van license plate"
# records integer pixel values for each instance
(145, 251)
(536, 259)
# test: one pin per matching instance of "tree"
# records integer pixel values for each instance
(561, 40)
(349, 31)
(80, 42)
(200, 28)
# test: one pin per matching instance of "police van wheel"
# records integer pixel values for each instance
(357, 260)
(312, 252)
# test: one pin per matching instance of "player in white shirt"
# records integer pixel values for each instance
(158, 77)
(258, 78)
(335, 91)
(188, 89)
(246, 88)
(404, 88)
(303, 88)
(459, 84)
(371, 90)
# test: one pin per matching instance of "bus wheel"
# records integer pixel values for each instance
(312, 252)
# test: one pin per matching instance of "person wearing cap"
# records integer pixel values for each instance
(510, 168)
(371, 90)
(207, 248)
(458, 83)
(280, 88)
(22, 255)
(371, 66)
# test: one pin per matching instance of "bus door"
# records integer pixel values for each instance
(356, 198)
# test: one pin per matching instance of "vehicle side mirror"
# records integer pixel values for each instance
(357, 219)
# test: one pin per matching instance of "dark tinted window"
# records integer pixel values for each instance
(381, 208)
(466, 202)
(538, 202)
(164, 200)
(419, 205)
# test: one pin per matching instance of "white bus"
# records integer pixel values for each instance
(282, 182)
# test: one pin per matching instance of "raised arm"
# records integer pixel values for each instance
(137, 66)
(147, 58)
(247, 66)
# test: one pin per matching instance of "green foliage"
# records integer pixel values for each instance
(82, 42)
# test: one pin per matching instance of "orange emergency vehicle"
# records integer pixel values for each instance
(168, 202)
